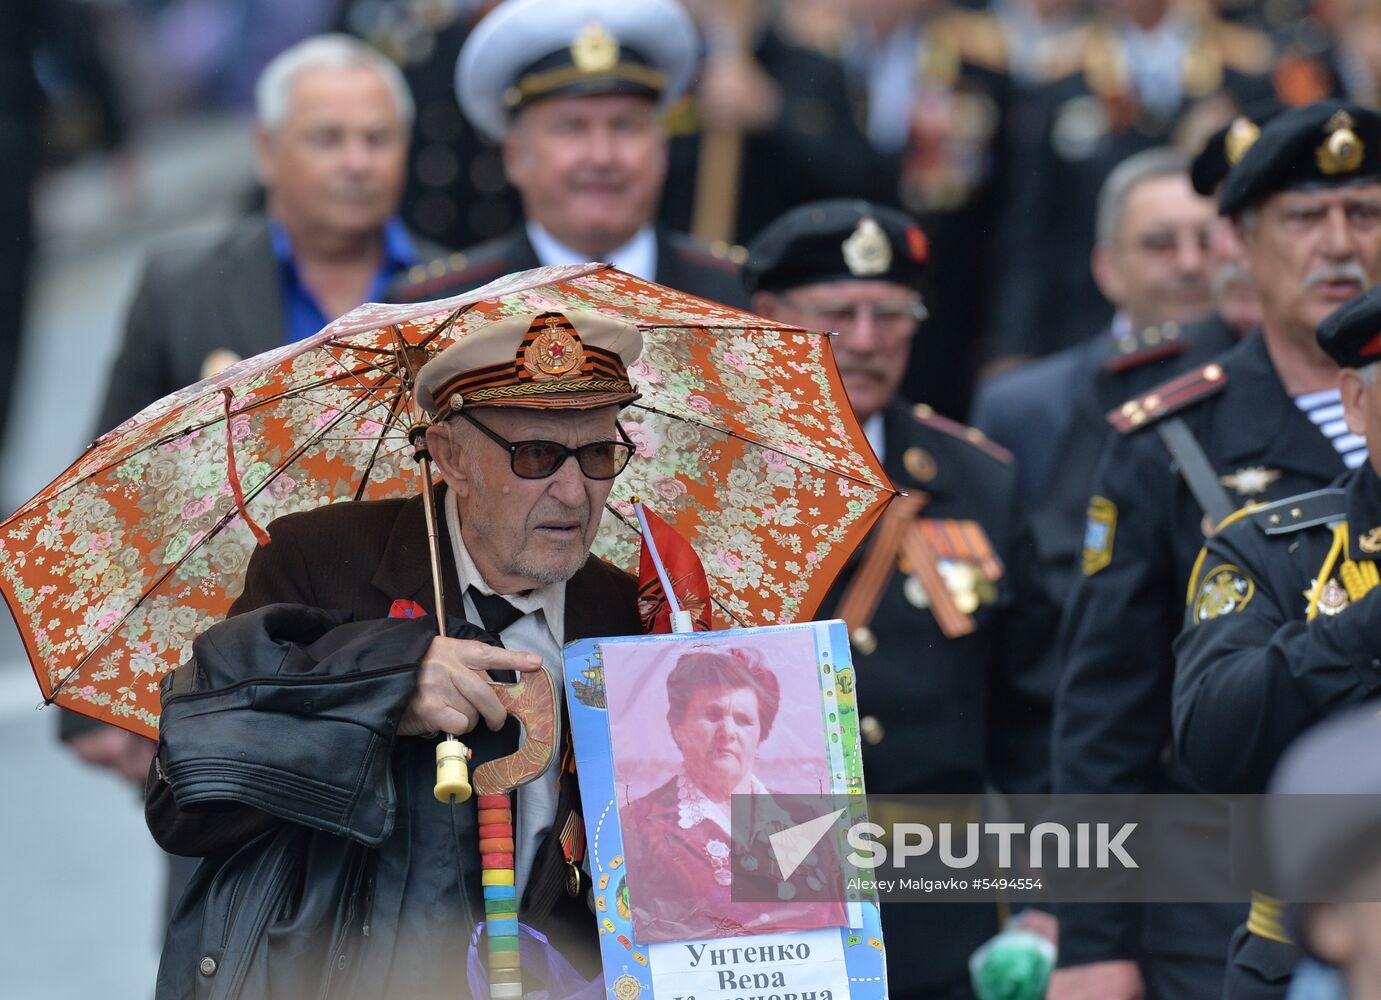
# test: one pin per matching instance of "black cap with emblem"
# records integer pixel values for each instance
(1351, 335)
(843, 239)
(1225, 148)
(1322, 145)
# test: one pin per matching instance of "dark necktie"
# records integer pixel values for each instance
(496, 614)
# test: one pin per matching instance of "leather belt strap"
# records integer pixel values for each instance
(1196, 471)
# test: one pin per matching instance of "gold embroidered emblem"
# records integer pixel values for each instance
(1342, 151)
(594, 49)
(553, 352)
(1242, 135)
(1333, 598)
(1251, 480)
(1224, 591)
(1370, 543)
(1098, 534)
(867, 252)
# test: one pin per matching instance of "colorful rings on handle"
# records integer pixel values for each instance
(500, 897)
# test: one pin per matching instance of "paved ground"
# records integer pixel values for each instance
(81, 881)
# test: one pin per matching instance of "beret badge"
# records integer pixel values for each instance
(1342, 151)
(867, 252)
(1242, 135)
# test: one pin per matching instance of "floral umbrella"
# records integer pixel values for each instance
(746, 446)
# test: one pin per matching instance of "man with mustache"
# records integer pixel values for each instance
(948, 648)
(575, 90)
(1258, 423)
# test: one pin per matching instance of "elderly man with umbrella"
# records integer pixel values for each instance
(526, 439)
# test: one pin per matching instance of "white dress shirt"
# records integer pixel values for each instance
(638, 256)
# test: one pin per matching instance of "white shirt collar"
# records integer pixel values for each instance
(638, 256)
(872, 430)
(550, 600)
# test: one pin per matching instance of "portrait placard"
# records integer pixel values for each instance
(681, 741)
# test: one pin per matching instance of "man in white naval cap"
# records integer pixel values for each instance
(575, 90)
(526, 441)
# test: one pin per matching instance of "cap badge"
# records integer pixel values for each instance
(1342, 151)
(1242, 135)
(594, 49)
(867, 252)
(553, 352)
(1250, 481)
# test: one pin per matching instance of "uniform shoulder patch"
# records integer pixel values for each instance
(1222, 590)
(1303, 511)
(1169, 398)
(1155, 343)
(1099, 530)
(927, 416)
(446, 276)
(718, 254)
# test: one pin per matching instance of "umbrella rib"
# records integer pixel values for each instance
(733, 326)
(378, 444)
(224, 519)
(760, 444)
(638, 531)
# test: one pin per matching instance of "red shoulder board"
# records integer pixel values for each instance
(1169, 398)
(719, 255)
(1154, 343)
(925, 415)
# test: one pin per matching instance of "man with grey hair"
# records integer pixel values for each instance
(1258, 423)
(330, 144)
(1152, 260)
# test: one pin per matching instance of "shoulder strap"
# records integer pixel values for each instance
(1303, 511)
(1195, 469)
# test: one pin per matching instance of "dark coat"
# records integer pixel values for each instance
(943, 715)
(359, 558)
(682, 264)
(1112, 707)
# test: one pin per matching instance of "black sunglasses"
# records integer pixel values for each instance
(540, 459)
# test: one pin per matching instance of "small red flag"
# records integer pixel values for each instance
(683, 569)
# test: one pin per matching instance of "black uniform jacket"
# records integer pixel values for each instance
(682, 263)
(1112, 707)
(360, 558)
(1254, 668)
(943, 715)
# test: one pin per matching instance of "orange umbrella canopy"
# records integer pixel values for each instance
(745, 444)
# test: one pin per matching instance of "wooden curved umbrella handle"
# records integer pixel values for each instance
(532, 701)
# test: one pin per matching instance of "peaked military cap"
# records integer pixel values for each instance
(525, 50)
(1351, 335)
(1321, 145)
(572, 361)
(841, 239)
(1225, 148)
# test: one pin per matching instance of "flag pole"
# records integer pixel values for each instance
(681, 621)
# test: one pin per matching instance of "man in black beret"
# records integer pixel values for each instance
(948, 647)
(1281, 629)
(1260, 422)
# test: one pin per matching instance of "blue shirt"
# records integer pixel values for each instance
(302, 316)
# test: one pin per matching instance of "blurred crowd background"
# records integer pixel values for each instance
(123, 121)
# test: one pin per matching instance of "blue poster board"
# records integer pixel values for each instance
(844, 959)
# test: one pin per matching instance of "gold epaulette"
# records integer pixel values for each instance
(1154, 343)
(1169, 398)
(424, 280)
(974, 37)
(972, 435)
(1243, 50)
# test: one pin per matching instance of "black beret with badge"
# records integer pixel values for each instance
(527, 50)
(1351, 335)
(1225, 148)
(843, 239)
(1322, 145)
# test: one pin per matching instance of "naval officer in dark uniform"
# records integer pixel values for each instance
(946, 623)
(1278, 631)
(1254, 425)
(574, 89)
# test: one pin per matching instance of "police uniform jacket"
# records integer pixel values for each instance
(682, 263)
(942, 715)
(1144, 531)
(1281, 629)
